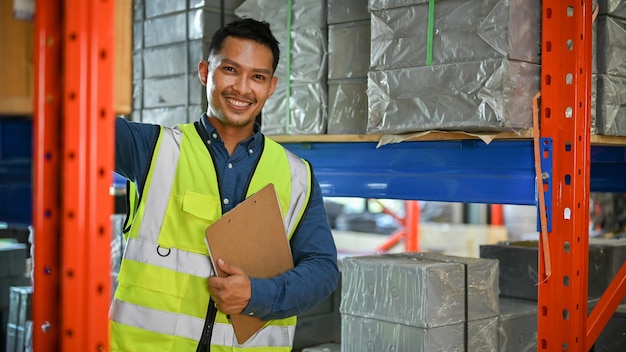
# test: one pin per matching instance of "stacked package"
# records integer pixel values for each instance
(613, 336)
(518, 325)
(519, 260)
(472, 65)
(348, 64)
(19, 326)
(610, 67)
(419, 302)
(299, 103)
(13, 272)
(518, 280)
(170, 38)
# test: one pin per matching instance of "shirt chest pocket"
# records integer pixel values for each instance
(187, 218)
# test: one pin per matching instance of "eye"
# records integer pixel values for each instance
(229, 68)
(259, 77)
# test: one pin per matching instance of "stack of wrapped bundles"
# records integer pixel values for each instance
(518, 325)
(19, 338)
(419, 302)
(518, 280)
(470, 65)
(348, 63)
(170, 37)
(610, 79)
(299, 103)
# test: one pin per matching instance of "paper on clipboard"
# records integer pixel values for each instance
(251, 236)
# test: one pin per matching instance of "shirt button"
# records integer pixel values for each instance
(214, 135)
(250, 151)
(251, 313)
(208, 142)
(230, 165)
(226, 201)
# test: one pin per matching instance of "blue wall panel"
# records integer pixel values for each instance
(16, 171)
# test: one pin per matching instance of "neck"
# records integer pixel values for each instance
(232, 134)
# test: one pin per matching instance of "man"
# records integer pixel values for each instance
(187, 177)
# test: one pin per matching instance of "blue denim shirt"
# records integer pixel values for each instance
(315, 275)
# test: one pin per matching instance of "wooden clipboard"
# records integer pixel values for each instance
(251, 236)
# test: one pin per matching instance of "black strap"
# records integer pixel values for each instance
(204, 345)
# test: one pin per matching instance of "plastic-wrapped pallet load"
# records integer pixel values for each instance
(366, 334)
(300, 102)
(170, 38)
(518, 325)
(482, 285)
(609, 89)
(462, 30)
(19, 313)
(610, 105)
(327, 347)
(490, 95)
(347, 109)
(519, 273)
(481, 300)
(348, 50)
(611, 45)
(13, 272)
(407, 303)
(343, 11)
(349, 34)
(470, 65)
(615, 8)
(613, 336)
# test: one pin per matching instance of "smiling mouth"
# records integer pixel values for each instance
(237, 103)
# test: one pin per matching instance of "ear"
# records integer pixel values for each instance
(203, 71)
(273, 83)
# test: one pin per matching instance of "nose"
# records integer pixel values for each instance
(241, 85)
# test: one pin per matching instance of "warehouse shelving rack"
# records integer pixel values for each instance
(73, 153)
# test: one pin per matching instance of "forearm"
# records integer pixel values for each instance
(315, 274)
(293, 292)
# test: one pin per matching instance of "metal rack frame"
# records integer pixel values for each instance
(73, 161)
(73, 151)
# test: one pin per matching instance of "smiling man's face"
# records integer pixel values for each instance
(240, 79)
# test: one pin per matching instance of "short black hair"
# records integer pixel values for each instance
(246, 28)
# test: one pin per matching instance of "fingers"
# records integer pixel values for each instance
(229, 269)
(232, 293)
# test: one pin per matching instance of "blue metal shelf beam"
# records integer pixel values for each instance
(469, 171)
(608, 169)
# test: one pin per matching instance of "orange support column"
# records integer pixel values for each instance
(73, 164)
(497, 217)
(88, 162)
(47, 173)
(412, 223)
(565, 118)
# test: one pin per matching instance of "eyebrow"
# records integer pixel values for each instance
(257, 70)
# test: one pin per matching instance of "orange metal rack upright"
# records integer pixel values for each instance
(73, 161)
(563, 324)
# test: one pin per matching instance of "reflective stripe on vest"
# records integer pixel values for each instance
(170, 258)
(157, 320)
(190, 327)
(156, 202)
(299, 196)
(270, 335)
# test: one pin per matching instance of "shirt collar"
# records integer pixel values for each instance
(253, 142)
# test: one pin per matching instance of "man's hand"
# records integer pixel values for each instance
(231, 294)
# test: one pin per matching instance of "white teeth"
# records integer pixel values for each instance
(238, 102)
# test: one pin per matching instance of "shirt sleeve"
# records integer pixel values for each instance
(315, 274)
(134, 143)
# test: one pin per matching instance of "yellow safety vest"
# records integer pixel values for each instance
(162, 297)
